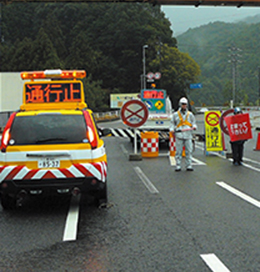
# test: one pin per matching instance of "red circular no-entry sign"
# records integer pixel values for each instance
(134, 113)
(212, 119)
(223, 125)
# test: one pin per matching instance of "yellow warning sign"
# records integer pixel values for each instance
(159, 104)
(213, 134)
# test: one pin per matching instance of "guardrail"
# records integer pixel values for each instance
(114, 115)
(107, 116)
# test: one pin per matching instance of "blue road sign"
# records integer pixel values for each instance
(196, 86)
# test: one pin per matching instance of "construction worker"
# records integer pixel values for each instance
(237, 147)
(182, 125)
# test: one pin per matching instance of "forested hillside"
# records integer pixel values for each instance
(104, 39)
(226, 53)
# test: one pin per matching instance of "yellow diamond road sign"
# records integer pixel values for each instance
(159, 105)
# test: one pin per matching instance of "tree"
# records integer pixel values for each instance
(82, 55)
(19, 56)
(95, 95)
(105, 39)
(178, 70)
(44, 55)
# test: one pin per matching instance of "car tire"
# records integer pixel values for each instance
(8, 202)
(101, 196)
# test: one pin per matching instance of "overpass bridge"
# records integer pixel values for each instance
(196, 3)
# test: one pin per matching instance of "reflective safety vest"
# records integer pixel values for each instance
(184, 122)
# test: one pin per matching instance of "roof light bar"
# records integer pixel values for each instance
(53, 72)
(57, 73)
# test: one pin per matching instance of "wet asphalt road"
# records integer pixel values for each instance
(185, 221)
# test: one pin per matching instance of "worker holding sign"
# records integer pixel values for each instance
(183, 123)
(239, 129)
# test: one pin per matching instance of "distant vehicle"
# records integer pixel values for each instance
(52, 144)
(160, 112)
(202, 110)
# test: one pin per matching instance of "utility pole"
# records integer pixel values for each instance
(144, 72)
(234, 59)
(160, 60)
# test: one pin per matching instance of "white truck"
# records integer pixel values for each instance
(160, 112)
(160, 115)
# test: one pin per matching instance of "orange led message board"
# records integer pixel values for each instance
(53, 92)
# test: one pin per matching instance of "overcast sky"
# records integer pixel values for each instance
(184, 17)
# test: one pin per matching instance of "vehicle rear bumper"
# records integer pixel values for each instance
(51, 186)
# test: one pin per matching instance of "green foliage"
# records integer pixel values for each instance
(178, 71)
(105, 39)
(93, 91)
(210, 46)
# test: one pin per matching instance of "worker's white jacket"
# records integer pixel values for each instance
(183, 120)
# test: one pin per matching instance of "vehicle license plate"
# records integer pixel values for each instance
(48, 163)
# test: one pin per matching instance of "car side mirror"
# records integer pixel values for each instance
(103, 132)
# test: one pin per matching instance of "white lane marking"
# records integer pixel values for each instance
(195, 161)
(198, 161)
(202, 147)
(214, 263)
(152, 189)
(71, 226)
(245, 159)
(172, 160)
(239, 194)
(253, 161)
(123, 149)
(248, 165)
(163, 154)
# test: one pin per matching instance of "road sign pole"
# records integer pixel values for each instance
(134, 113)
(135, 142)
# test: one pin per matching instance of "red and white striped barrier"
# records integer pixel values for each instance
(81, 170)
(172, 145)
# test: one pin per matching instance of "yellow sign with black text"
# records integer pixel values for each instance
(213, 134)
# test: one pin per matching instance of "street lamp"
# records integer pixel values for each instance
(144, 72)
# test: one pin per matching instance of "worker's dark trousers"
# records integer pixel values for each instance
(237, 151)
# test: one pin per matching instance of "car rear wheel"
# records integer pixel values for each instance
(8, 202)
(101, 196)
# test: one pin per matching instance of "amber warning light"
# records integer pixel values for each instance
(53, 74)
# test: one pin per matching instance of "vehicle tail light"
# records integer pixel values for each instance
(6, 133)
(91, 131)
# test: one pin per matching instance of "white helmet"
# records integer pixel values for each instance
(183, 100)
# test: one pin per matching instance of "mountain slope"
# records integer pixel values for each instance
(223, 50)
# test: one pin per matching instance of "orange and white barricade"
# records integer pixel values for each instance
(149, 144)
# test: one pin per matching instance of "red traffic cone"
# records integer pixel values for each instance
(223, 142)
(257, 143)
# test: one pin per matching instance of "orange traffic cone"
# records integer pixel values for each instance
(183, 152)
(257, 143)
